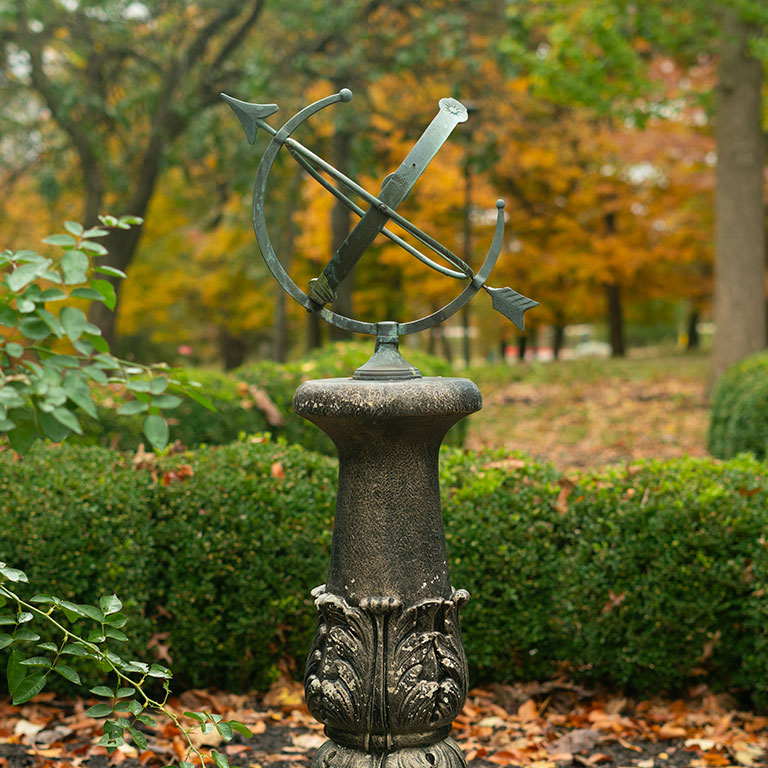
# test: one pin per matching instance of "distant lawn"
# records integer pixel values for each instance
(592, 412)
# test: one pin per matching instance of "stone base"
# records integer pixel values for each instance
(441, 754)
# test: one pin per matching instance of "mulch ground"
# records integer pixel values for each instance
(555, 725)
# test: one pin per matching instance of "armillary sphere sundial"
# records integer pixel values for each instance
(386, 673)
(382, 209)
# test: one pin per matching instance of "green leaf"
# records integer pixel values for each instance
(158, 385)
(6, 621)
(147, 720)
(92, 612)
(225, 730)
(36, 661)
(116, 620)
(5, 641)
(198, 398)
(53, 428)
(156, 431)
(110, 604)
(78, 392)
(34, 328)
(220, 760)
(74, 321)
(14, 350)
(113, 271)
(14, 671)
(116, 634)
(99, 710)
(24, 275)
(96, 248)
(24, 617)
(95, 232)
(42, 599)
(68, 673)
(165, 401)
(51, 294)
(102, 690)
(47, 646)
(95, 374)
(86, 293)
(132, 407)
(60, 239)
(139, 738)
(156, 670)
(28, 688)
(8, 316)
(99, 343)
(51, 321)
(68, 419)
(25, 306)
(123, 692)
(26, 635)
(138, 385)
(74, 267)
(107, 291)
(13, 574)
(73, 227)
(199, 716)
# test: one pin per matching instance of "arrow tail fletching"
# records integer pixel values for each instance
(511, 304)
(250, 115)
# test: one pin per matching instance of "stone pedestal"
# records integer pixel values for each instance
(387, 673)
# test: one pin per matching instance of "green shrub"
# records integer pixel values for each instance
(238, 412)
(224, 561)
(739, 422)
(650, 577)
(663, 578)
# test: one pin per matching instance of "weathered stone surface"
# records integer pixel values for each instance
(387, 672)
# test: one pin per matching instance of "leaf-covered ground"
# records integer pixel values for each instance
(555, 725)
(589, 413)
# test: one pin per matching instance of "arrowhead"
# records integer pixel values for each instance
(250, 114)
(511, 304)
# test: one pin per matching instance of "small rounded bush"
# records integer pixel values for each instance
(739, 422)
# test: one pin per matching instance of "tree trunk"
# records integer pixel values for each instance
(121, 244)
(558, 340)
(233, 349)
(740, 314)
(613, 299)
(693, 330)
(615, 319)
(522, 344)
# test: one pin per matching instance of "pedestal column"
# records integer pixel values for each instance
(387, 673)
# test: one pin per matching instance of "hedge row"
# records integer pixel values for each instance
(238, 411)
(652, 577)
(739, 421)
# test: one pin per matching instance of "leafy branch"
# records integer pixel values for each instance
(43, 384)
(128, 702)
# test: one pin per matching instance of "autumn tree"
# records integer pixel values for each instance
(121, 81)
(594, 53)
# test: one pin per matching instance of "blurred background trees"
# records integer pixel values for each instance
(627, 139)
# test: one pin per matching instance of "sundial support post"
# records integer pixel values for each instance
(387, 673)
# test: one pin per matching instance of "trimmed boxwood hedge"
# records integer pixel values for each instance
(651, 577)
(739, 422)
(236, 412)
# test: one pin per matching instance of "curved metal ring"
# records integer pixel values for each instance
(290, 287)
